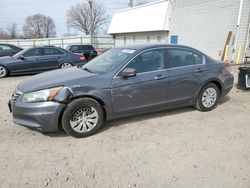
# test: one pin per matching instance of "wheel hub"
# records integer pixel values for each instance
(84, 120)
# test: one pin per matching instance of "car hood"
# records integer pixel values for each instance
(61, 77)
(6, 59)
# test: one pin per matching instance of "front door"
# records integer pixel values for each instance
(30, 61)
(145, 91)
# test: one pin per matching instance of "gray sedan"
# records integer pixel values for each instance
(122, 82)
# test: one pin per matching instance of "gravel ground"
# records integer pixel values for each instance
(177, 148)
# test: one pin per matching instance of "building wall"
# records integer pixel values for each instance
(156, 37)
(205, 24)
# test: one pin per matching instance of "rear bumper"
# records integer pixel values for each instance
(41, 116)
(228, 85)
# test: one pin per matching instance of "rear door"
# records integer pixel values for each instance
(51, 58)
(185, 70)
(145, 91)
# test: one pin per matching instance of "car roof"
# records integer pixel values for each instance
(141, 47)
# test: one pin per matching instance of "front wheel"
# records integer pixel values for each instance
(208, 97)
(82, 117)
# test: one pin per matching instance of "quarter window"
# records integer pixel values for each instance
(148, 61)
(181, 57)
(52, 51)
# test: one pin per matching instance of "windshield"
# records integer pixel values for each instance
(109, 60)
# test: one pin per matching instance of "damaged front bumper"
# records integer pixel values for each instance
(42, 116)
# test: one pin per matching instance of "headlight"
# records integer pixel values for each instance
(42, 95)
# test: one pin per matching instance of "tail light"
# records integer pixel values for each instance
(228, 68)
(82, 58)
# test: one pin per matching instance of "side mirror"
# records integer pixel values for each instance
(128, 72)
(21, 57)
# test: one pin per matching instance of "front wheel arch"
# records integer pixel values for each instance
(79, 97)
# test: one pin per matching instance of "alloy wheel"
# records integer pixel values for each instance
(84, 119)
(66, 65)
(3, 72)
(209, 97)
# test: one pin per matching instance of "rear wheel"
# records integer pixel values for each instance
(3, 71)
(66, 65)
(208, 97)
(82, 118)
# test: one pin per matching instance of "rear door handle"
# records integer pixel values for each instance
(158, 77)
(200, 70)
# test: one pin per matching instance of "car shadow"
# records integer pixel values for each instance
(140, 118)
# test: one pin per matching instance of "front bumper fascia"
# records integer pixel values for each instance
(41, 116)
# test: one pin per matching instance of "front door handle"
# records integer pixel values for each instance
(158, 77)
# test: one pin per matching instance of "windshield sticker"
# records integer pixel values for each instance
(129, 51)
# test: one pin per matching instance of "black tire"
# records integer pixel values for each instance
(73, 107)
(200, 105)
(3, 71)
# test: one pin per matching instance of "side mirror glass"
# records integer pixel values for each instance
(128, 72)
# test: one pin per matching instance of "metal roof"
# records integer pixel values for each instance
(148, 17)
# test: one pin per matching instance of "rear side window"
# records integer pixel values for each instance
(182, 57)
(33, 52)
(89, 47)
(52, 51)
(86, 47)
(74, 49)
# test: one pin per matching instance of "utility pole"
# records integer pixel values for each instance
(131, 4)
(91, 19)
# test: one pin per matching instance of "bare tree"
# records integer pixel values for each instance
(38, 26)
(3, 34)
(12, 29)
(80, 17)
(49, 27)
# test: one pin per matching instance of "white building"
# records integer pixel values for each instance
(201, 24)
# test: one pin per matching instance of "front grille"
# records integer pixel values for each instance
(16, 94)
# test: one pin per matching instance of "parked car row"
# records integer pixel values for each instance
(14, 60)
(121, 82)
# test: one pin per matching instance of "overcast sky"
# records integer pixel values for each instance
(18, 10)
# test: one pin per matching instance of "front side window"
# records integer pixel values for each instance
(148, 61)
(32, 52)
(52, 51)
(182, 57)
